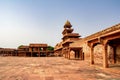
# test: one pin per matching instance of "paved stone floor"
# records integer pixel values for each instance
(52, 68)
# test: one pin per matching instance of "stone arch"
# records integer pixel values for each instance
(114, 51)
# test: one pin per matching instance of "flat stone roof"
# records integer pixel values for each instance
(38, 45)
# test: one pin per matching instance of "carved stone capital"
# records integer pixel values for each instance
(90, 44)
(102, 41)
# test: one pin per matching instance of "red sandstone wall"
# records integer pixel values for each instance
(21, 54)
(86, 51)
(98, 54)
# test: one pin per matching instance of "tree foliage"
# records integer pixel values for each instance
(20, 46)
(50, 48)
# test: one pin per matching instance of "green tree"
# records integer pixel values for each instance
(50, 48)
(20, 46)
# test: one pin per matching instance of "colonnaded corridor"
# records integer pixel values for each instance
(52, 68)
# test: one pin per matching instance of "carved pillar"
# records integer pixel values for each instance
(91, 55)
(105, 55)
(69, 53)
(65, 53)
(81, 54)
(91, 52)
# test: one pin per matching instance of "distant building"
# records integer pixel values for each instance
(58, 49)
(23, 50)
(33, 50)
(38, 49)
(8, 52)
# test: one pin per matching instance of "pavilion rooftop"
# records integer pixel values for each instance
(37, 45)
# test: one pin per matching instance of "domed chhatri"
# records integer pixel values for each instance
(67, 24)
(68, 32)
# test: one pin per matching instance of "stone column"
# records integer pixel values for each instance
(81, 54)
(92, 55)
(69, 53)
(105, 57)
(65, 53)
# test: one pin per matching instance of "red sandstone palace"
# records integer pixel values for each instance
(101, 48)
(33, 50)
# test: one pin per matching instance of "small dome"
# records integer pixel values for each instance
(67, 24)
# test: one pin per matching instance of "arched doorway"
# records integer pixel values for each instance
(114, 53)
(76, 53)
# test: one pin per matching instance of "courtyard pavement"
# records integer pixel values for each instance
(52, 68)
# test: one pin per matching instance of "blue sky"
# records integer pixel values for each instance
(41, 21)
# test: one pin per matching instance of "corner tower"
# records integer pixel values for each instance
(68, 38)
(68, 32)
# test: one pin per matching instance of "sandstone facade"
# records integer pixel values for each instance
(33, 50)
(63, 48)
(101, 48)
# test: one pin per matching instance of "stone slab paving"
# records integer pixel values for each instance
(52, 68)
